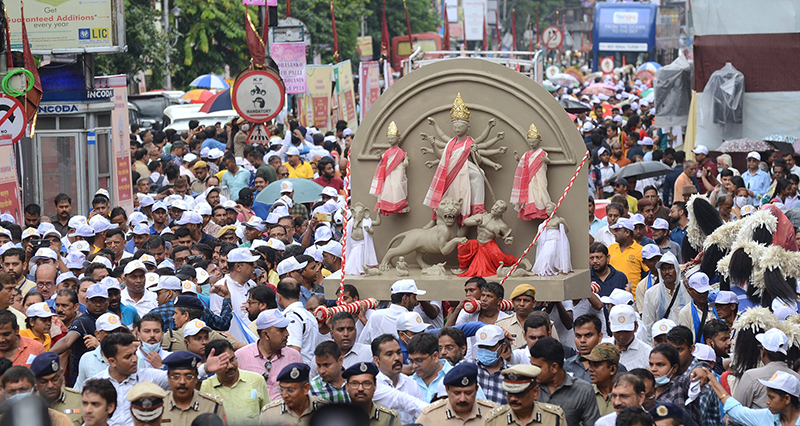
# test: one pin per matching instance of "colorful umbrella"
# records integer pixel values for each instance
(209, 81)
(648, 94)
(219, 102)
(575, 73)
(646, 77)
(597, 88)
(196, 96)
(649, 66)
(785, 143)
(564, 79)
(745, 145)
(305, 191)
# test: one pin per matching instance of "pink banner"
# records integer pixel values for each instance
(291, 60)
(369, 85)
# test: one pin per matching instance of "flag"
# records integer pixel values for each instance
(497, 28)
(254, 43)
(514, 28)
(335, 36)
(34, 96)
(485, 36)
(446, 45)
(288, 8)
(408, 27)
(385, 42)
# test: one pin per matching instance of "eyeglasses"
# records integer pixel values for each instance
(283, 174)
(267, 368)
(177, 376)
(282, 389)
(356, 385)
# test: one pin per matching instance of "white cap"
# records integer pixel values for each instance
(44, 253)
(39, 310)
(747, 209)
(202, 275)
(782, 310)
(134, 265)
(700, 149)
(111, 282)
(82, 231)
(258, 243)
(204, 152)
(699, 282)
(587, 127)
(103, 192)
(151, 280)
(703, 352)
(618, 297)
(271, 318)
(195, 326)
(179, 204)
(148, 259)
(754, 155)
(650, 251)
(101, 224)
(286, 186)
(315, 252)
(406, 285)
(108, 322)
(229, 205)
(168, 282)
(203, 208)
(333, 248)
(411, 321)
(137, 217)
(159, 205)
(289, 265)
(191, 217)
(5, 232)
(241, 255)
(660, 224)
(276, 244)
(215, 153)
(65, 276)
(7, 218)
(601, 151)
(188, 158)
(52, 232)
(75, 259)
(489, 335)
(273, 217)
(80, 246)
(725, 297)
(773, 340)
(662, 326)
(141, 229)
(103, 261)
(637, 219)
(292, 151)
(329, 191)
(622, 318)
(255, 222)
(76, 221)
(96, 290)
(783, 381)
(188, 287)
(646, 141)
(30, 232)
(623, 223)
(323, 233)
(347, 132)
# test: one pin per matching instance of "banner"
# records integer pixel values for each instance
(316, 103)
(368, 86)
(473, 19)
(9, 189)
(364, 47)
(452, 10)
(343, 75)
(291, 60)
(120, 142)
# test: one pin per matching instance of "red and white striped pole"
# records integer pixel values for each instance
(348, 182)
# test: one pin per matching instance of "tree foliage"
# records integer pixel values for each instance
(316, 14)
(525, 8)
(423, 18)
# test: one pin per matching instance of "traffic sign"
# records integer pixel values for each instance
(607, 65)
(552, 37)
(258, 134)
(12, 120)
(258, 95)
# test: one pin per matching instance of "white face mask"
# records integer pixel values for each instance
(244, 127)
(741, 201)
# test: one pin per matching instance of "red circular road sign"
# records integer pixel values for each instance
(552, 37)
(12, 120)
(258, 95)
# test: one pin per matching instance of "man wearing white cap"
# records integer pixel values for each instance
(92, 362)
(382, 321)
(706, 168)
(660, 329)
(727, 306)
(660, 229)
(491, 344)
(750, 391)
(694, 315)
(241, 263)
(298, 168)
(332, 256)
(286, 199)
(669, 296)
(134, 293)
(626, 253)
(756, 180)
(624, 323)
(651, 254)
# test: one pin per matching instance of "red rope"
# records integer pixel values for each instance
(349, 180)
(558, 204)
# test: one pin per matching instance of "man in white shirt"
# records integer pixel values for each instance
(241, 263)
(659, 297)
(303, 329)
(382, 321)
(633, 352)
(134, 293)
(694, 315)
(343, 333)
(628, 391)
(395, 389)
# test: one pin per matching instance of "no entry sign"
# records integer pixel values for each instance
(12, 120)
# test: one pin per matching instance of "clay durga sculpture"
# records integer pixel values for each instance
(529, 193)
(553, 255)
(481, 257)
(459, 175)
(390, 183)
(360, 250)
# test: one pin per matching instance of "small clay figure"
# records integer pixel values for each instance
(481, 257)
(553, 256)
(360, 249)
(401, 266)
(437, 270)
(390, 183)
(523, 270)
(529, 193)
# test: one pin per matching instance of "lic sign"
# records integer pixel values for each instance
(93, 33)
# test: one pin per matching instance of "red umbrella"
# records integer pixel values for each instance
(598, 88)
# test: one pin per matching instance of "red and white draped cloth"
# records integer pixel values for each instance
(482, 260)
(529, 194)
(390, 183)
(457, 178)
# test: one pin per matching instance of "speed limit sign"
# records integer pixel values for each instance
(607, 65)
(552, 37)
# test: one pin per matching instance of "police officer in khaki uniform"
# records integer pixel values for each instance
(524, 298)
(519, 384)
(50, 386)
(461, 407)
(297, 405)
(361, 386)
(183, 403)
(147, 404)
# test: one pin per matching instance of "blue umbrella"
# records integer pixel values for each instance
(209, 81)
(305, 191)
(649, 66)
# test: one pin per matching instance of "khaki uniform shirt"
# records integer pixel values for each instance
(543, 414)
(441, 413)
(201, 403)
(515, 329)
(173, 340)
(604, 405)
(383, 416)
(277, 413)
(69, 403)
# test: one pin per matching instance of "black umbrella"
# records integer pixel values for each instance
(643, 169)
(573, 106)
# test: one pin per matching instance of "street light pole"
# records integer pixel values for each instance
(165, 27)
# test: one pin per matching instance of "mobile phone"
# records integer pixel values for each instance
(323, 217)
(40, 243)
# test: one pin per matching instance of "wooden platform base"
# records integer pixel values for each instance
(561, 287)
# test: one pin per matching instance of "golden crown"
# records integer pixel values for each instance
(459, 110)
(533, 132)
(392, 130)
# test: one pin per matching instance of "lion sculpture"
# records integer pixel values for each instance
(440, 236)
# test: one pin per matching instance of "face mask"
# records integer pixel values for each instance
(659, 240)
(245, 127)
(741, 201)
(19, 396)
(661, 381)
(486, 356)
(150, 347)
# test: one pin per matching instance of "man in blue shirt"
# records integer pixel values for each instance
(678, 217)
(604, 274)
(209, 141)
(235, 178)
(594, 223)
(756, 180)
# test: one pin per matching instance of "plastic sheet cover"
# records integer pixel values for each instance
(673, 93)
(723, 103)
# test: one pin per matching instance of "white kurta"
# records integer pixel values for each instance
(552, 255)
(359, 253)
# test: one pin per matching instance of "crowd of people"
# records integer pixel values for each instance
(196, 309)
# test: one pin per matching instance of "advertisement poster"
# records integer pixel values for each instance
(369, 86)
(9, 190)
(452, 10)
(121, 144)
(364, 47)
(63, 24)
(473, 19)
(318, 96)
(291, 60)
(343, 74)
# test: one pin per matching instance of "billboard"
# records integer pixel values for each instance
(54, 25)
(291, 60)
